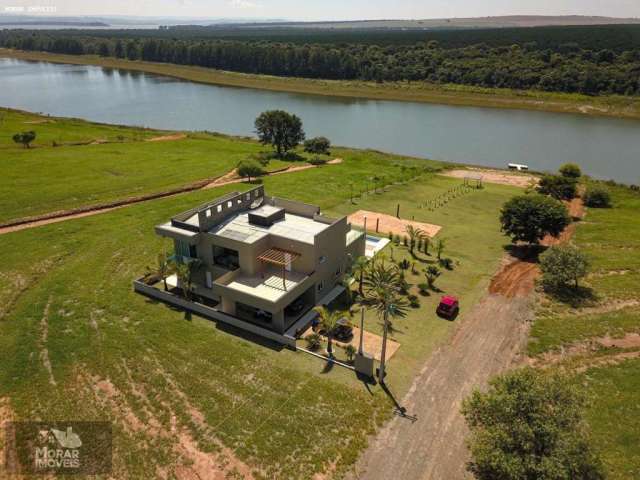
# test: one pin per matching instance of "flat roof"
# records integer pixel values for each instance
(294, 227)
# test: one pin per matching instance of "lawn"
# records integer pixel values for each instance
(611, 238)
(77, 343)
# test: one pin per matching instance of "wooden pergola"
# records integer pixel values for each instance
(280, 258)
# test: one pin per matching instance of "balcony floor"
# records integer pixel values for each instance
(270, 286)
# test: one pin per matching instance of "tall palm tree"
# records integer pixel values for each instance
(328, 322)
(382, 285)
(358, 270)
(415, 235)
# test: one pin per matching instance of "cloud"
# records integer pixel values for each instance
(243, 4)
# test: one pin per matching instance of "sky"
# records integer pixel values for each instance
(326, 9)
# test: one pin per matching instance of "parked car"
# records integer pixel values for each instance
(448, 308)
(295, 308)
(343, 331)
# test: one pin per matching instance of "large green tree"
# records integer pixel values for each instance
(529, 218)
(280, 129)
(529, 426)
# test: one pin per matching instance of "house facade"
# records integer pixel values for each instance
(264, 260)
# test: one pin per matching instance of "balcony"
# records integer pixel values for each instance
(269, 286)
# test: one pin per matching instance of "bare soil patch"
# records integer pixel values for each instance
(389, 224)
(516, 279)
(372, 343)
(167, 138)
(192, 462)
(522, 180)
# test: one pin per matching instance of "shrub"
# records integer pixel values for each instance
(404, 264)
(424, 288)
(390, 237)
(317, 161)
(570, 170)
(350, 352)
(597, 197)
(405, 241)
(414, 301)
(563, 266)
(446, 263)
(396, 239)
(432, 273)
(318, 146)
(557, 186)
(314, 341)
(529, 218)
(25, 138)
(250, 168)
(529, 424)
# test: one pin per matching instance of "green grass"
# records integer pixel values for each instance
(614, 417)
(611, 238)
(276, 410)
(473, 240)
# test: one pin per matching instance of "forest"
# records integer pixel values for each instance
(588, 60)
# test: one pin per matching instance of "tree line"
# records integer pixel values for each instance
(570, 69)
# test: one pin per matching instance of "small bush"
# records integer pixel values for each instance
(350, 352)
(317, 161)
(404, 264)
(250, 168)
(558, 187)
(396, 239)
(390, 237)
(597, 198)
(414, 301)
(563, 266)
(446, 263)
(314, 341)
(424, 289)
(318, 146)
(405, 241)
(570, 170)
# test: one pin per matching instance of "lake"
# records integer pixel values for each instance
(604, 147)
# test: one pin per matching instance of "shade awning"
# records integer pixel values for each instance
(278, 256)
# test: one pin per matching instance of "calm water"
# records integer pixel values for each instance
(606, 148)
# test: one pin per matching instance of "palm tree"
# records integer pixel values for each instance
(432, 273)
(328, 322)
(185, 273)
(382, 284)
(359, 268)
(415, 235)
(164, 268)
(440, 244)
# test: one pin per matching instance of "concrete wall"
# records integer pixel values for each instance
(211, 313)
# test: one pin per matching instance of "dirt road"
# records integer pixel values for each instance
(487, 342)
(56, 217)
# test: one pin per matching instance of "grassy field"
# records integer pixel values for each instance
(611, 238)
(617, 106)
(77, 343)
(37, 180)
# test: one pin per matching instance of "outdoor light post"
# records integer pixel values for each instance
(383, 353)
(360, 346)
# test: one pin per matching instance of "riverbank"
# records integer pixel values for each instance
(610, 106)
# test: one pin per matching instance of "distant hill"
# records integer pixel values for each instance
(445, 23)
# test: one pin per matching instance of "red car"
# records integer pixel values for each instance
(449, 307)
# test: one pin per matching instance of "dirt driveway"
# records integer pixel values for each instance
(487, 342)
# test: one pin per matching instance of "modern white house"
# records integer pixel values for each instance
(264, 261)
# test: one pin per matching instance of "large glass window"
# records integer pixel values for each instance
(184, 250)
(226, 258)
